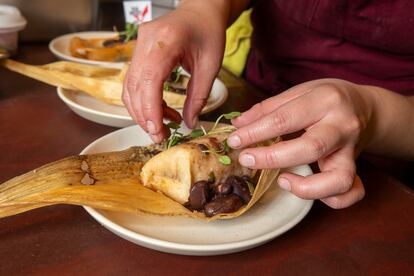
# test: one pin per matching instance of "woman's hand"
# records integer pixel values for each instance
(192, 36)
(337, 118)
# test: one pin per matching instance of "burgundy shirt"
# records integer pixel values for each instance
(363, 41)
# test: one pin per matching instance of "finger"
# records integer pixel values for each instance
(317, 186)
(161, 136)
(314, 144)
(126, 99)
(198, 91)
(295, 115)
(349, 198)
(334, 181)
(136, 114)
(150, 91)
(265, 107)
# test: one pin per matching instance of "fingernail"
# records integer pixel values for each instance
(284, 184)
(234, 141)
(195, 121)
(156, 138)
(247, 160)
(151, 127)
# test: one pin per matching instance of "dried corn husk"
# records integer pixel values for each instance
(104, 84)
(108, 181)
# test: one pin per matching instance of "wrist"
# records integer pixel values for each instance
(390, 131)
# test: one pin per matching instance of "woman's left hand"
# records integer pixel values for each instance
(336, 117)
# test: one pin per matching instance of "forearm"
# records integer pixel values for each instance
(392, 125)
(224, 10)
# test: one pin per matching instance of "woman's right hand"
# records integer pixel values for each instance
(192, 36)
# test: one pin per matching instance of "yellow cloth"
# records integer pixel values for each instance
(238, 44)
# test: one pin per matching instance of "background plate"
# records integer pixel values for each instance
(60, 48)
(117, 116)
(277, 212)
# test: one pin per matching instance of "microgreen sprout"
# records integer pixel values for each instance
(225, 160)
(227, 116)
(196, 133)
(177, 73)
(166, 86)
(175, 136)
(221, 154)
(173, 125)
(131, 31)
(251, 187)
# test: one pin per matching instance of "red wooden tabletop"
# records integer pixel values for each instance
(376, 236)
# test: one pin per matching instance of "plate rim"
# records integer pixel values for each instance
(61, 94)
(196, 248)
(69, 102)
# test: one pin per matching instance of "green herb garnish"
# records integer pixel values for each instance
(226, 146)
(166, 86)
(196, 133)
(225, 160)
(227, 116)
(221, 154)
(173, 125)
(251, 187)
(175, 136)
(131, 31)
(177, 74)
(231, 115)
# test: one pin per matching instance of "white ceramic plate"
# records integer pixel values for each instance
(60, 48)
(118, 116)
(277, 212)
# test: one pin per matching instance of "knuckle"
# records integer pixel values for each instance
(271, 159)
(355, 125)
(346, 180)
(252, 135)
(148, 76)
(335, 202)
(302, 191)
(318, 147)
(130, 83)
(280, 120)
(258, 108)
(333, 94)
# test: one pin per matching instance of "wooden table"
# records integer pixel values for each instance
(376, 236)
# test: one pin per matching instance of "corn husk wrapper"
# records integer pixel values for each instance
(104, 84)
(108, 181)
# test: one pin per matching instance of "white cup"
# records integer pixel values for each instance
(11, 22)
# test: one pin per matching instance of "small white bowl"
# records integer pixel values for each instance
(11, 22)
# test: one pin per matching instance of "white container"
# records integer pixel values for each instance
(11, 22)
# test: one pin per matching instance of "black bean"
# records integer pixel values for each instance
(199, 195)
(223, 205)
(240, 187)
(223, 189)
